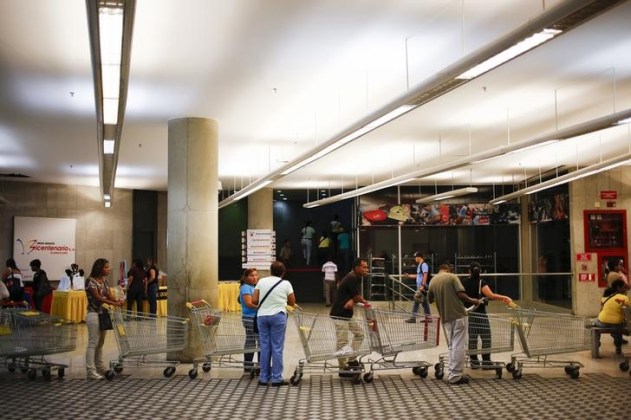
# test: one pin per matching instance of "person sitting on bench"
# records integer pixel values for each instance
(612, 314)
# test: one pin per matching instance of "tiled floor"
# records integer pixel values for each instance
(599, 392)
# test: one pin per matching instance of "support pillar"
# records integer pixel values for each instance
(192, 216)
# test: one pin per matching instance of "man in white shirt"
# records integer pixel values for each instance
(330, 281)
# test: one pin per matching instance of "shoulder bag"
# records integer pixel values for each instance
(255, 325)
(105, 320)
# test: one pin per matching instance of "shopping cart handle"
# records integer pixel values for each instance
(484, 301)
(193, 304)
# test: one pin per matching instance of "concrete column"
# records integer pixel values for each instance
(192, 220)
(527, 249)
(261, 214)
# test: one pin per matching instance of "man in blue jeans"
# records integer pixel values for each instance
(422, 284)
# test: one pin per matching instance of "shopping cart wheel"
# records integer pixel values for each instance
(169, 371)
(510, 367)
(24, 369)
(46, 373)
(517, 373)
(295, 379)
(192, 373)
(624, 366)
(575, 373)
(498, 373)
(357, 379)
(109, 374)
(32, 373)
(61, 372)
(439, 373)
(438, 366)
(206, 367)
(416, 370)
(11, 366)
(118, 368)
(368, 377)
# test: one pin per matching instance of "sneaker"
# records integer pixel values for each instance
(463, 380)
(262, 383)
(344, 351)
(94, 376)
(475, 364)
(101, 370)
(281, 383)
(411, 321)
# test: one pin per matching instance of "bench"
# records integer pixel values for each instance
(596, 333)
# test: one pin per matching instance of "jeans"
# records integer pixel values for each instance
(616, 335)
(343, 329)
(135, 294)
(250, 342)
(96, 339)
(272, 341)
(330, 289)
(307, 244)
(456, 332)
(479, 326)
(152, 295)
(425, 304)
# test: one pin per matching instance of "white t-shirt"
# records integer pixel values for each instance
(329, 269)
(276, 301)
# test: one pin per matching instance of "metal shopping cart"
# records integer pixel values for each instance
(391, 335)
(26, 336)
(140, 335)
(543, 334)
(497, 333)
(222, 335)
(320, 334)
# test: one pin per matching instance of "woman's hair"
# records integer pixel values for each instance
(612, 263)
(11, 264)
(613, 289)
(97, 267)
(474, 268)
(246, 274)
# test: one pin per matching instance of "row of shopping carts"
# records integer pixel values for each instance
(373, 339)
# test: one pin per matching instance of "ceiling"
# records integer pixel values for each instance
(283, 76)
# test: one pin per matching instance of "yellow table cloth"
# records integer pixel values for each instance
(228, 294)
(70, 305)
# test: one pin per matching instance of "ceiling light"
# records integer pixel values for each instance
(108, 204)
(107, 197)
(449, 194)
(244, 192)
(625, 121)
(510, 53)
(564, 179)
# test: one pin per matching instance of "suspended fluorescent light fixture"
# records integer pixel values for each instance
(564, 179)
(350, 137)
(108, 147)
(111, 44)
(510, 53)
(253, 187)
(625, 121)
(449, 194)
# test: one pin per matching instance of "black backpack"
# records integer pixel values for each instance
(16, 291)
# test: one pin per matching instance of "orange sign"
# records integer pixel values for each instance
(609, 195)
(584, 256)
(587, 277)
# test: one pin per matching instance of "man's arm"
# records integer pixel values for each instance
(467, 300)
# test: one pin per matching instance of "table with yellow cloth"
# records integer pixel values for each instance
(228, 294)
(71, 305)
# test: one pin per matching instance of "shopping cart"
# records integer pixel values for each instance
(319, 335)
(391, 335)
(26, 336)
(497, 333)
(139, 335)
(222, 336)
(544, 334)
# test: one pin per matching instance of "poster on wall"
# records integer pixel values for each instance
(52, 241)
(258, 248)
(441, 214)
(548, 208)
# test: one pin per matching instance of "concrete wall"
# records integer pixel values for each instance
(101, 232)
(585, 195)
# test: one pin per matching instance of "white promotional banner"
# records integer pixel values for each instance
(52, 241)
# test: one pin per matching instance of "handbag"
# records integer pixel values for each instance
(255, 325)
(105, 321)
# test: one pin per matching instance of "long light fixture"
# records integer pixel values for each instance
(244, 192)
(564, 179)
(510, 53)
(558, 19)
(110, 23)
(447, 195)
(553, 137)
